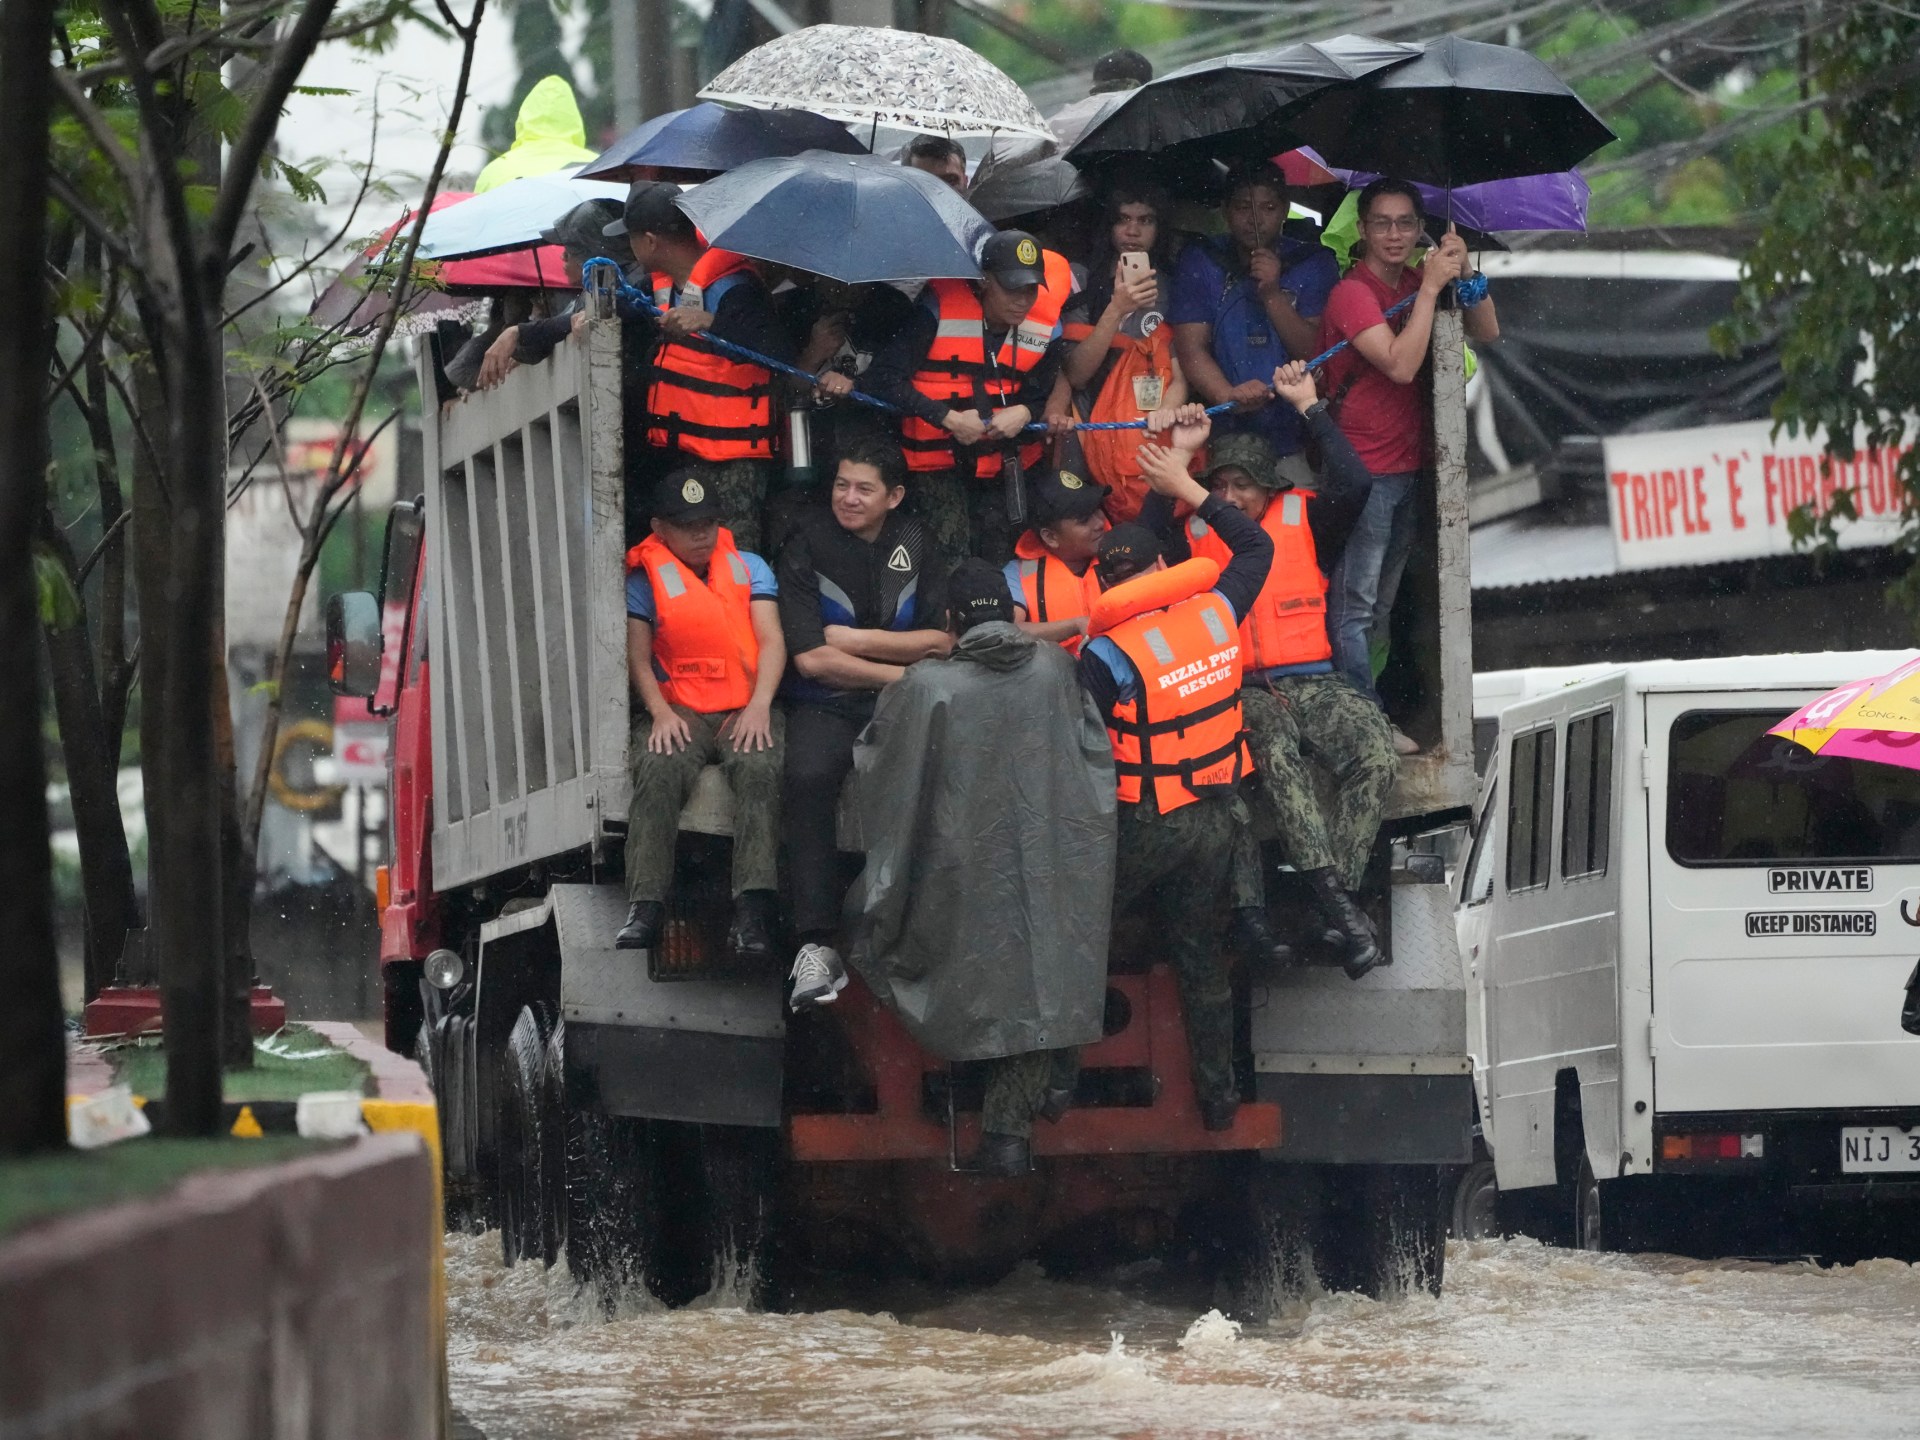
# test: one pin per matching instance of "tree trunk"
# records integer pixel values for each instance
(32, 1038)
(236, 887)
(152, 565)
(185, 891)
(92, 755)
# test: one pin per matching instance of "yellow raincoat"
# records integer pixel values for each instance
(548, 135)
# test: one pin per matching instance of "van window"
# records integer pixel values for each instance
(1530, 809)
(1478, 888)
(1739, 796)
(1587, 813)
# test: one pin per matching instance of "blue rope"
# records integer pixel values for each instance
(1476, 287)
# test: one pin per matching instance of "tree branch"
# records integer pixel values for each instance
(96, 126)
(243, 161)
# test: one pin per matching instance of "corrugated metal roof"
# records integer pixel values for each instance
(1522, 550)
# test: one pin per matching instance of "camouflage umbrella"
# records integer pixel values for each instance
(862, 75)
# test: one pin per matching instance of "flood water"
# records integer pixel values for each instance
(1526, 1341)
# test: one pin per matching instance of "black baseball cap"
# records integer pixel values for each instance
(584, 227)
(1125, 551)
(686, 495)
(1012, 258)
(977, 593)
(650, 210)
(1063, 495)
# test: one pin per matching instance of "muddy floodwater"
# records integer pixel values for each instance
(1527, 1341)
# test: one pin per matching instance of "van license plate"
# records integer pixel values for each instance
(1874, 1148)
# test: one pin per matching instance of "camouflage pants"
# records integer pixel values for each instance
(739, 487)
(1177, 864)
(661, 784)
(963, 515)
(1016, 1084)
(1316, 718)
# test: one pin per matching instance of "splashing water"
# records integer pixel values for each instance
(1526, 1341)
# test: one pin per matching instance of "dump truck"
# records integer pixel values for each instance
(661, 1121)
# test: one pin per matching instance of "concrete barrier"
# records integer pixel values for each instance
(291, 1300)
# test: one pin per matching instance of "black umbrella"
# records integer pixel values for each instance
(1024, 189)
(1462, 113)
(709, 139)
(855, 218)
(1235, 106)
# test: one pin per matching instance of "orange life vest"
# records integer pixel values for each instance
(706, 403)
(1184, 731)
(1113, 455)
(959, 374)
(702, 629)
(1288, 623)
(1050, 590)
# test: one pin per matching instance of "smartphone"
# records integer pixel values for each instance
(1135, 265)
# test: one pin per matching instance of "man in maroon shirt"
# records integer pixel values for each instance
(1374, 390)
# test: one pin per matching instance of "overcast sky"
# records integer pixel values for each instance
(413, 86)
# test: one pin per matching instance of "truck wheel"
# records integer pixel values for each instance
(739, 1171)
(1476, 1201)
(1390, 1238)
(1272, 1260)
(527, 1145)
(615, 1229)
(1589, 1231)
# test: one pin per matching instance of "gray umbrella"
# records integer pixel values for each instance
(861, 75)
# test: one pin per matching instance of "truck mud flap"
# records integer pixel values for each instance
(1373, 1071)
(708, 1051)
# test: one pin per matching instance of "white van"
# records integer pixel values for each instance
(1687, 943)
(1495, 690)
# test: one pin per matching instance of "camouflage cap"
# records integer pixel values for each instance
(1249, 451)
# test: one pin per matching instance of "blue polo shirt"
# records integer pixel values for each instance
(760, 586)
(1245, 344)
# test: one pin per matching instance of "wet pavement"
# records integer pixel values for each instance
(1527, 1341)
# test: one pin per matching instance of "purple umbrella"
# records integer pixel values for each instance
(1525, 202)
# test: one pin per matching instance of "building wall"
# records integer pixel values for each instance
(1759, 608)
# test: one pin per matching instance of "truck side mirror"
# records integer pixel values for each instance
(353, 644)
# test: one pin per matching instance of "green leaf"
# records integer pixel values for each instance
(59, 605)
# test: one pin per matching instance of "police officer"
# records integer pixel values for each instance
(861, 598)
(971, 372)
(1162, 663)
(703, 406)
(1051, 574)
(704, 653)
(1293, 700)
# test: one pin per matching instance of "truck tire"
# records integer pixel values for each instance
(1384, 1232)
(1270, 1259)
(526, 1185)
(1588, 1223)
(739, 1172)
(1476, 1204)
(616, 1216)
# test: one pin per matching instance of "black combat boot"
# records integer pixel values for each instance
(1217, 1111)
(750, 936)
(1055, 1101)
(1356, 931)
(642, 930)
(1253, 933)
(1003, 1155)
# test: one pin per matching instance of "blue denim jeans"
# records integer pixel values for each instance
(1367, 577)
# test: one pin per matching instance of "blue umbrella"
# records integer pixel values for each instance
(509, 216)
(709, 139)
(854, 218)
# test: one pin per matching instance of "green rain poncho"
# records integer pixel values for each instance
(548, 135)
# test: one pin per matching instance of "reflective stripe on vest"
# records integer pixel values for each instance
(1288, 622)
(1184, 732)
(702, 402)
(703, 640)
(1051, 591)
(958, 374)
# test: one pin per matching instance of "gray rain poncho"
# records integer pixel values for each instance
(984, 799)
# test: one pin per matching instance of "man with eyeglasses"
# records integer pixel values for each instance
(1373, 389)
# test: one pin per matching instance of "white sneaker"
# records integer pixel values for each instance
(1404, 744)
(818, 977)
